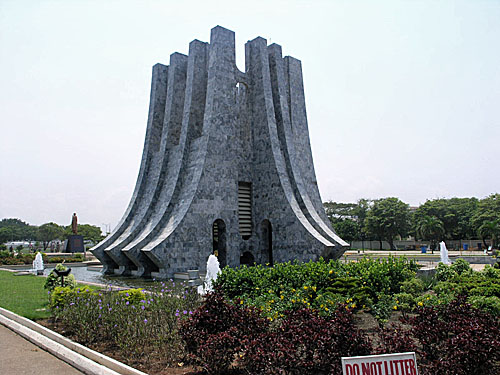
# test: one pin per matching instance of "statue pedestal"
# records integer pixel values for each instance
(75, 244)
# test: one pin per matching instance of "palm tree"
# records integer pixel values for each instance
(490, 229)
(430, 228)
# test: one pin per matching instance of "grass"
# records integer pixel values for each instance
(24, 295)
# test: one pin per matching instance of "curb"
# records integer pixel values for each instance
(82, 358)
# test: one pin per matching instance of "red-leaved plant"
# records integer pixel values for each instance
(452, 339)
(218, 331)
(306, 343)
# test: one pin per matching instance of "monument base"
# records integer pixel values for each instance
(75, 244)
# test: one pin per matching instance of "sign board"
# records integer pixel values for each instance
(385, 364)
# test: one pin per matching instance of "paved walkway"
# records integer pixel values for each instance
(18, 356)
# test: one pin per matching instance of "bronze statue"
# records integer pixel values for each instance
(74, 224)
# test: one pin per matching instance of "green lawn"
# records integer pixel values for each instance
(24, 295)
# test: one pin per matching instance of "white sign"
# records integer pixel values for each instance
(385, 364)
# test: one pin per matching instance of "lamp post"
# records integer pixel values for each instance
(62, 274)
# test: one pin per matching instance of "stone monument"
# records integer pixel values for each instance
(75, 241)
(226, 168)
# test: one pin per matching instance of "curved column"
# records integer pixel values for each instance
(263, 102)
(164, 171)
(294, 151)
(151, 147)
(192, 122)
(203, 156)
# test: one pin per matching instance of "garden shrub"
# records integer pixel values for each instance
(446, 287)
(433, 300)
(393, 339)
(132, 296)
(351, 287)
(404, 301)
(461, 267)
(383, 308)
(445, 272)
(491, 272)
(8, 258)
(383, 275)
(413, 286)
(143, 332)
(319, 285)
(489, 304)
(452, 339)
(477, 286)
(411, 290)
(56, 260)
(53, 280)
(60, 297)
(20, 258)
(467, 339)
(486, 288)
(218, 330)
(306, 343)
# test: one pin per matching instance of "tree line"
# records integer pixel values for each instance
(389, 219)
(385, 219)
(18, 230)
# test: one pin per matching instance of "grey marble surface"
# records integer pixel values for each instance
(211, 126)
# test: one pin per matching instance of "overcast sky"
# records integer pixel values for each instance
(403, 97)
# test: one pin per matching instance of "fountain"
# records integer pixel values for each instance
(38, 264)
(213, 270)
(443, 251)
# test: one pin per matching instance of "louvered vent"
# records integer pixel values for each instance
(245, 209)
(215, 233)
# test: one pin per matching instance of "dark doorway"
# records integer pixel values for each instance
(247, 258)
(266, 241)
(219, 241)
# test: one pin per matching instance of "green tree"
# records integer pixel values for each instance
(89, 232)
(18, 229)
(348, 218)
(430, 228)
(49, 232)
(6, 234)
(490, 229)
(455, 214)
(387, 219)
(347, 229)
(31, 232)
(464, 209)
(488, 210)
(339, 210)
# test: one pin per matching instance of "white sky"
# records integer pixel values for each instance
(403, 97)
